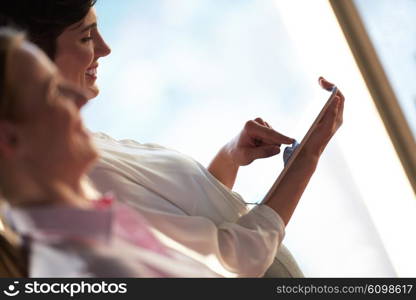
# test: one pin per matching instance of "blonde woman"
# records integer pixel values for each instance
(66, 229)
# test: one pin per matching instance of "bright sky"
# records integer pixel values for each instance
(392, 28)
(188, 74)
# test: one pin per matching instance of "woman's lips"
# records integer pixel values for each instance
(92, 73)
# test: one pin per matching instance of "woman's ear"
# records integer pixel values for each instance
(8, 139)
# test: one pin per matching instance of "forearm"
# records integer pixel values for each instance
(286, 196)
(223, 167)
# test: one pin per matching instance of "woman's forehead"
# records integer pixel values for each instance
(37, 57)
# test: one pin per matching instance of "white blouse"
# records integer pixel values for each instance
(182, 200)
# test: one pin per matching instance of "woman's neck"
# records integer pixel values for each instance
(67, 193)
(50, 192)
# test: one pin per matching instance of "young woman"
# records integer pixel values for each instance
(189, 203)
(45, 152)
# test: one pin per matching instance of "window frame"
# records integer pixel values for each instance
(378, 85)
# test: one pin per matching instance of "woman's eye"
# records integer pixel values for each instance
(86, 39)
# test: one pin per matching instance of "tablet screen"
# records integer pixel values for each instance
(291, 152)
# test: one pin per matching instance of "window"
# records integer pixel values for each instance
(392, 29)
(188, 74)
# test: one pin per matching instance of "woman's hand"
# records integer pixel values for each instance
(256, 140)
(286, 195)
(328, 125)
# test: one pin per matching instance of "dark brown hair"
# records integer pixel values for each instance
(44, 20)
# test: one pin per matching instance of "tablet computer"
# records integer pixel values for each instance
(291, 152)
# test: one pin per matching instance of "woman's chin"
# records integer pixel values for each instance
(93, 92)
(91, 150)
(89, 158)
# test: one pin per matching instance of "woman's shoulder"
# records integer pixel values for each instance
(103, 139)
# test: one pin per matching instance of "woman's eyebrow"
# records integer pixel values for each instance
(79, 24)
(88, 27)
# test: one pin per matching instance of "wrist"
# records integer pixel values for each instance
(308, 160)
(227, 155)
(223, 167)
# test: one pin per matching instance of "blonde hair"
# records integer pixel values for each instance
(13, 260)
(10, 39)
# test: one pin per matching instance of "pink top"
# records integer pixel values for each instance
(108, 240)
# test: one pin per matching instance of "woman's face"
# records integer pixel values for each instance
(51, 136)
(78, 49)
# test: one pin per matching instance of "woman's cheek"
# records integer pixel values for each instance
(82, 58)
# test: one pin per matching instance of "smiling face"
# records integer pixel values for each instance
(78, 49)
(51, 139)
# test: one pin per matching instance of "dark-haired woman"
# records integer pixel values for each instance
(193, 205)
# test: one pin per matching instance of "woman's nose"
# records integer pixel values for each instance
(102, 49)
